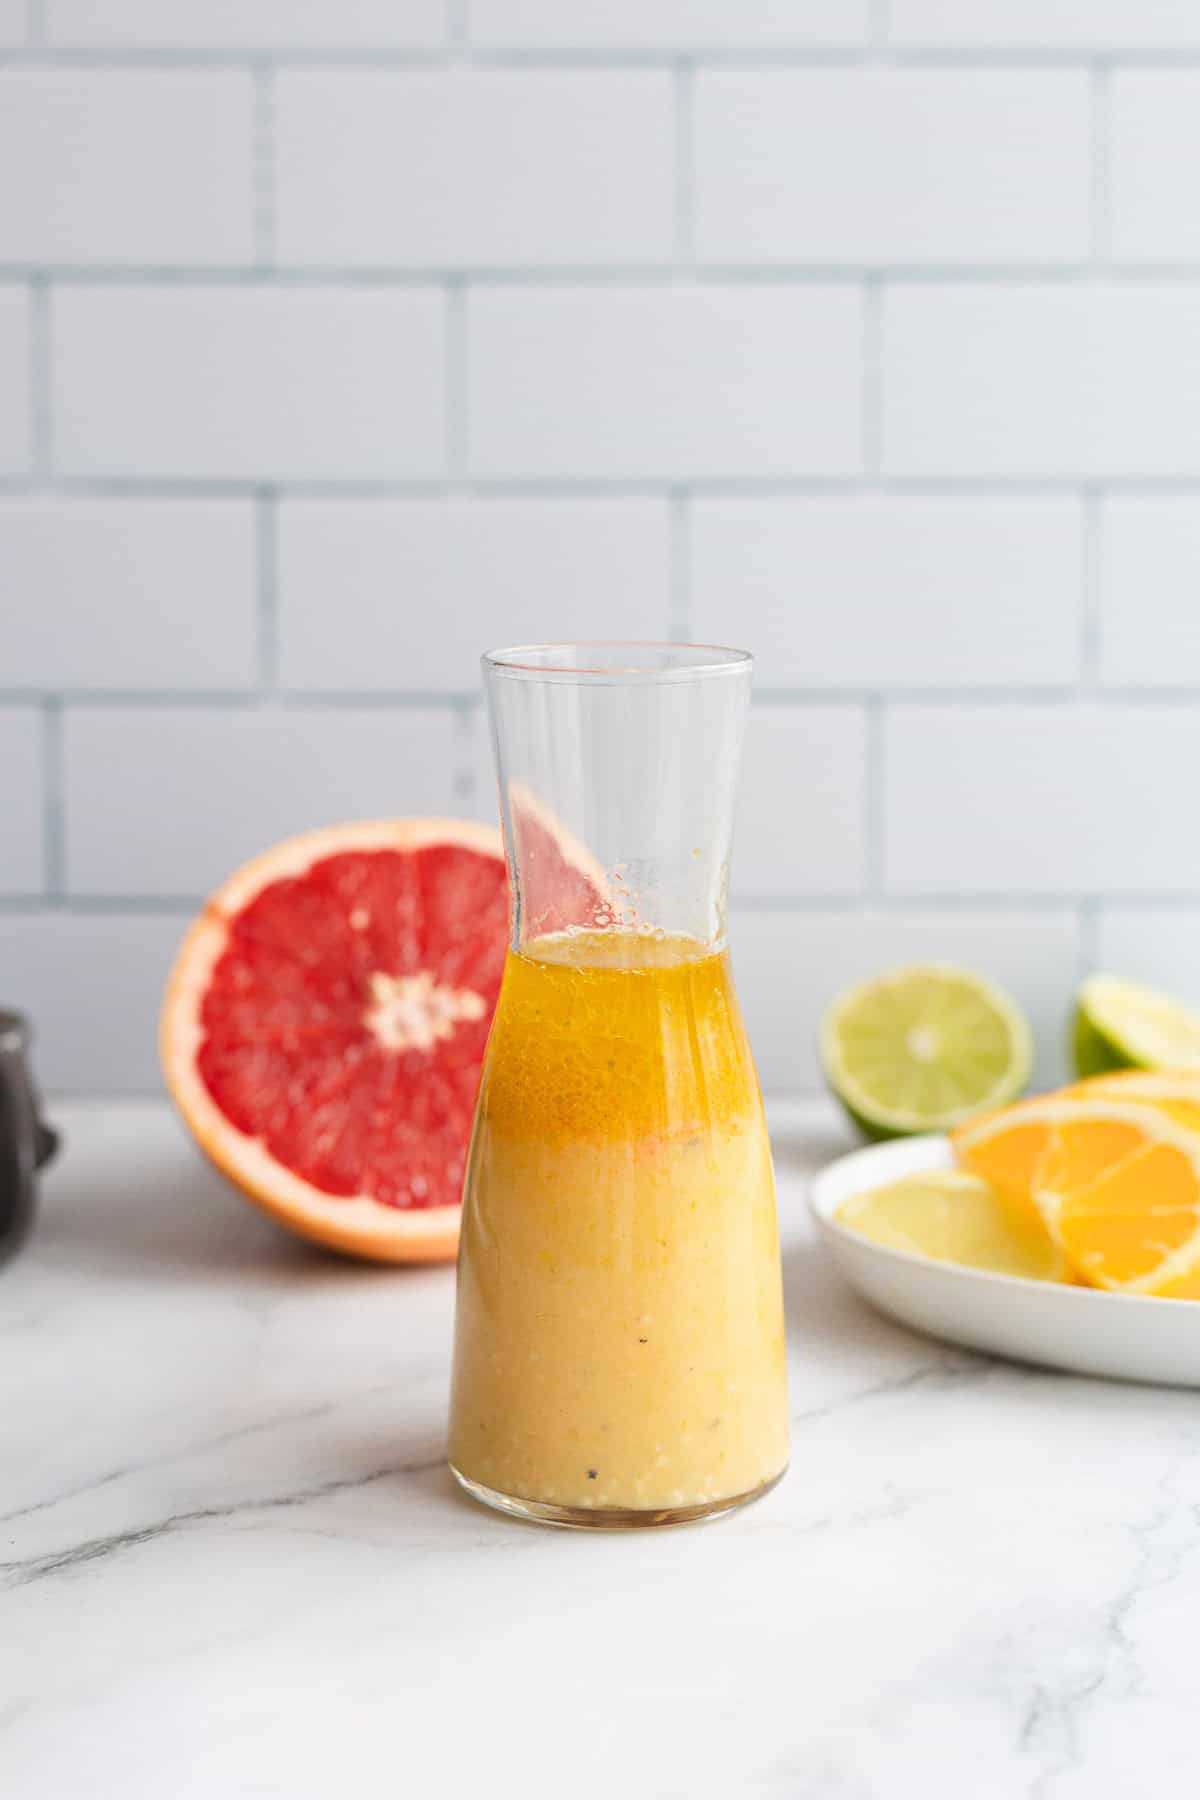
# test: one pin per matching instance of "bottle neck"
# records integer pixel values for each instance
(617, 801)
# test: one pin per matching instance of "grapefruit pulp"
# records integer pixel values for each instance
(325, 1022)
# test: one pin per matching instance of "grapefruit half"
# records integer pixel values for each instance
(324, 1025)
(563, 887)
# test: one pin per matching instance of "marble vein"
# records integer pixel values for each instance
(22, 1572)
(978, 1580)
(943, 1372)
(1056, 1715)
(201, 1447)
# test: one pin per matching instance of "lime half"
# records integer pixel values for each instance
(922, 1049)
(1122, 1025)
(956, 1217)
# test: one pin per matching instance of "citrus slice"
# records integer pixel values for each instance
(922, 1049)
(953, 1216)
(1117, 1184)
(1175, 1092)
(1122, 1025)
(324, 1025)
(561, 885)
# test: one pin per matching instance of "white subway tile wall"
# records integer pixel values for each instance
(14, 22)
(1156, 151)
(1131, 25)
(248, 24)
(1150, 590)
(474, 168)
(16, 381)
(253, 384)
(703, 381)
(1054, 380)
(802, 810)
(680, 26)
(22, 854)
(1150, 945)
(789, 966)
(126, 166)
(165, 801)
(850, 166)
(341, 339)
(93, 984)
(423, 586)
(117, 593)
(875, 591)
(1040, 800)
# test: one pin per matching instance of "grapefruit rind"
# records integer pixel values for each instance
(356, 1224)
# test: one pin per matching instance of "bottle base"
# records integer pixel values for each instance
(610, 1518)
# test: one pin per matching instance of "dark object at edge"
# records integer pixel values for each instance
(25, 1142)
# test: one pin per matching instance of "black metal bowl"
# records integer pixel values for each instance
(26, 1143)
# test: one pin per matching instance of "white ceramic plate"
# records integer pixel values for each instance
(1132, 1337)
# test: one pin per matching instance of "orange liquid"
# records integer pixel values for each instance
(620, 1338)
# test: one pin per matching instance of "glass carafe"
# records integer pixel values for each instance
(619, 1341)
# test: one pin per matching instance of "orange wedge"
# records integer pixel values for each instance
(1116, 1180)
(1175, 1092)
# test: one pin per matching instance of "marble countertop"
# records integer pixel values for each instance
(232, 1564)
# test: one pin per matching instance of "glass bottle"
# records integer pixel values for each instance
(619, 1340)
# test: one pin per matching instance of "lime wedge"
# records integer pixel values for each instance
(1122, 1025)
(956, 1217)
(922, 1049)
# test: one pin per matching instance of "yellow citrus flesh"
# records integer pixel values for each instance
(953, 1216)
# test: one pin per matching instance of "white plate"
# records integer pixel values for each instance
(1131, 1336)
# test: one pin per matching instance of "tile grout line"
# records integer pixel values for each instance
(1091, 601)
(41, 430)
(679, 597)
(36, 52)
(263, 186)
(600, 276)
(684, 109)
(834, 904)
(1092, 503)
(1089, 913)
(1100, 167)
(874, 829)
(266, 593)
(54, 797)
(875, 703)
(455, 378)
(464, 781)
(616, 488)
(939, 699)
(874, 299)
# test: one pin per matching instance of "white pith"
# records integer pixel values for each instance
(412, 1012)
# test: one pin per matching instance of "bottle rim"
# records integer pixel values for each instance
(617, 661)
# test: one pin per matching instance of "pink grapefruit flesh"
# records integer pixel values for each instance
(325, 1023)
